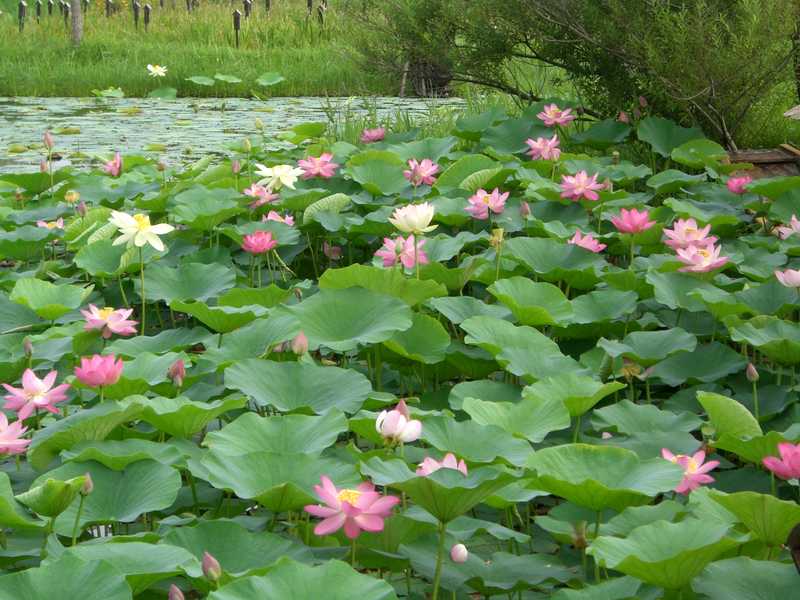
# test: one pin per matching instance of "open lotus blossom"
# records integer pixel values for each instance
(459, 553)
(260, 195)
(332, 251)
(587, 242)
(694, 469)
(156, 70)
(402, 249)
(99, 370)
(109, 321)
(789, 278)
(632, 221)
(177, 372)
(278, 176)
(737, 184)
(580, 186)
(138, 231)
(396, 425)
(701, 259)
(114, 166)
(788, 465)
(544, 148)
(784, 231)
(414, 218)
(259, 242)
(356, 509)
(430, 465)
(34, 394)
(421, 172)
(370, 136)
(552, 115)
(274, 215)
(11, 441)
(72, 197)
(323, 166)
(685, 232)
(57, 224)
(482, 202)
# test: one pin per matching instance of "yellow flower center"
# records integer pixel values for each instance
(142, 221)
(690, 230)
(51, 225)
(105, 313)
(349, 496)
(692, 466)
(704, 253)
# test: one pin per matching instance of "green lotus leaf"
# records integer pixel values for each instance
(181, 417)
(459, 170)
(378, 171)
(767, 517)
(603, 134)
(487, 390)
(628, 417)
(333, 580)
(532, 418)
(12, 513)
(728, 416)
(532, 303)
(290, 386)
(24, 243)
(429, 147)
(555, 261)
(618, 588)
(672, 180)
(485, 178)
(679, 290)
(700, 153)
(385, 281)
(219, 318)
(461, 308)
(49, 300)
(343, 319)
(649, 347)
(426, 341)
(475, 442)
(775, 338)
(664, 135)
(743, 578)
(287, 434)
(101, 258)
(709, 362)
(335, 203)
(603, 305)
(195, 281)
(118, 454)
(446, 493)
(718, 214)
(227, 78)
(577, 392)
(169, 340)
(201, 80)
(52, 497)
(36, 183)
(508, 137)
(666, 554)
(600, 477)
(751, 449)
(773, 187)
(254, 339)
(203, 209)
(270, 79)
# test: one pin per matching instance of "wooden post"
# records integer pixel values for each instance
(38, 10)
(147, 10)
(76, 29)
(248, 6)
(136, 7)
(50, 5)
(109, 7)
(237, 24)
(22, 10)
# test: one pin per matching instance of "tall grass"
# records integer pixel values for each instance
(314, 60)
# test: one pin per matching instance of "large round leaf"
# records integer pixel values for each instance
(385, 281)
(426, 341)
(533, 303)
(649, 347)
(188, 281)
(578, 393)
(475, 442)
(769, 518)
(532, 418)
(380, 172)
(181, 417)
(49, 300)
(664, 135)
(743, 578)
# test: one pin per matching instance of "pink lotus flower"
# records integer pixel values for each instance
(544, 148)
(784, 231)
(259, 242)
(686, 233)
(274, 215)
(632, 221)
(552, 115)
(354, 509)
(57, 224)
(332, 251)
(694, 471)
(35, 393)
(261, 195)
(114, 166)
(587, 242)
(459, 553)
(299, 344)
(397, 426)
(402, 249)
(99, 370)
(109, 321)
(430, 465)
(789, 278)
(421, 173)
(580, 186)
(370, 136)
(701, 259)
(482, 202)
(177, 372)
(11, 441)
(788, 465)
(737, 184)
(318, 167)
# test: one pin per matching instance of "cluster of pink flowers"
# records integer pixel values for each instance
(694, 247)
(581, 186)
(430, 465)
(370, 136)
(482, 202)
(322, 166)
(406, 250)
(544, 148)
(421, 172)
(695, 469)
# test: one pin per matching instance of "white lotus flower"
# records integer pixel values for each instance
(157, 71)
(137, 229)
(414, 218)
(278, 176)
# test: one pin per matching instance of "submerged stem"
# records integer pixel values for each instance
(439, 558)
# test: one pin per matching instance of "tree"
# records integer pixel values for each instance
(77, 21)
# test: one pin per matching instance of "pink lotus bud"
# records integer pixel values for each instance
(300, 344)
(751, 373)
(43, 168)
(177, 372)
(175, 593)
(459, 553)
(27, 346)
(88, 485)
(623, 117)
(48, 141)
(331, 251)
(211, 567)
(236, 166)
(642, 101)
(525, 209)
(81, 208)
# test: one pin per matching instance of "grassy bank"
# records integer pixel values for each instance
(314, 60)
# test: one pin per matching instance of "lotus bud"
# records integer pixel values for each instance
(459, 553)
(642, 101)
(81, 208)
(331, 251)
(175, 593)
(177, 372)
(71, 197)
(236, 166)
(43, 168)
(751, 372)
(259, 124)
(161, 166)
(27, 346)
(88, 485)
(48, 141)
(211, 568)
(300, 344)
(623, 117)
(525, 210)
(247, 145)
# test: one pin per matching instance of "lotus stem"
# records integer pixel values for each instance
(437, 577)
(353, 553)
(755, 400)
(144, 302)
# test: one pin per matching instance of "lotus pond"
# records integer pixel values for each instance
(535, 358)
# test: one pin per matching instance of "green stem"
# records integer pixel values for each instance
(439, 558)
(141, 273)
(353, 553)
(755, 400)
(597, 524)
(102, 394)
(48, 530)
(416, 259)
(577, 431)
(192, 487)
(630, 263)
(77, 520)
